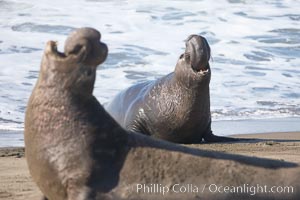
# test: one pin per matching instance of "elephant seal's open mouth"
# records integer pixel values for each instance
(197, 54)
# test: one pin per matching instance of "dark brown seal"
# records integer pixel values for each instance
(175, 107)
(76, 151)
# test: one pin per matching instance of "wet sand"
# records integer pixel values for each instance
(16, 184)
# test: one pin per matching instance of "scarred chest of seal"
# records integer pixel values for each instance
(170, 111)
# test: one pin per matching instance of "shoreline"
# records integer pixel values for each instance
(261, 145)
(15, 138)
(16, 183)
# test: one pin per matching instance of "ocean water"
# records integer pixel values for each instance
(255, 49)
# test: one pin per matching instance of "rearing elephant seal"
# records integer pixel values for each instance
(76, 151)
(175, 107)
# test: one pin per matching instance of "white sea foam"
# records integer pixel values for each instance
(255, 49)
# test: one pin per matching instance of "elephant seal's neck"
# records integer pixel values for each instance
(191, 80)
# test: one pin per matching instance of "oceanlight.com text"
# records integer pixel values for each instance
(160, 189)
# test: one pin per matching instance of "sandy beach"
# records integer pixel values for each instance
(16, 183)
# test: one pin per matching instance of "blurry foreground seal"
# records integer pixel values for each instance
(76, 151)
(175, 107)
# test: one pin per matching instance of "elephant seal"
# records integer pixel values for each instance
(175, 107)
(76, 151)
